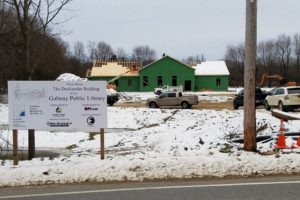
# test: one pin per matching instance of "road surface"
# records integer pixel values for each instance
(275, 188)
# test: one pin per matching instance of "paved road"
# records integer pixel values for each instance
(275, 188)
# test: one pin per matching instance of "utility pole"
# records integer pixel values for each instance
(249, 76)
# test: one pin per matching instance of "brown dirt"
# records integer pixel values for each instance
(202, 105)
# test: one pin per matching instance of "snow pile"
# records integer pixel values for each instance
(146, 144)
(111, 91)
(69, 77)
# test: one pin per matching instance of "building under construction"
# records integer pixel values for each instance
(133, 77)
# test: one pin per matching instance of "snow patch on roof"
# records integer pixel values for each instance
(211, 68)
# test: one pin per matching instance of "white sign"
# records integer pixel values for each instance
(57, 105)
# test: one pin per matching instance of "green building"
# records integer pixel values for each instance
(211, 75)
(130, 76)
(167, 71)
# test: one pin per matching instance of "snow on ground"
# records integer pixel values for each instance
(144, 143)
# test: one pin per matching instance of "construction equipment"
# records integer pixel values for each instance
(282, 81)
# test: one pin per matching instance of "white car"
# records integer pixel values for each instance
(283, 98)
(167, 88)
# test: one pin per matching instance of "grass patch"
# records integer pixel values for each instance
(72, 146)
(92, 135)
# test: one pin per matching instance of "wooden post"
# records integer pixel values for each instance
(249, 76)
(31, 144)
(102, 143)
(15, 147)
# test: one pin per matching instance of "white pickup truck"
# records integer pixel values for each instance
(167, 88)
(173, 99)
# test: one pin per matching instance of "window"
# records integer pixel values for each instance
(281, 91)
(174, 80)
(218, 82)
(159, 81)
(163, 95)
(241, 93)
(129, 82)
(293, 90)
(145, 81)
(171, 94)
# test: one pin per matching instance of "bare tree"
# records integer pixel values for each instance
(297, 53)
(192, 60)
(35, 17)
(284, 45)
(34, 23)
(7, 19)
(79, 52)
(99, 51)
(121, 54)
(235, 58)
(143, 54)
(91, 46)
(103, 51)
(8, 37)
(267, 54)
(202, 58)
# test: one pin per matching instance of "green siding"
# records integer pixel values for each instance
(123, 83)
(210, 83)
(166, 67)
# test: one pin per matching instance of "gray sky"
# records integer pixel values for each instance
(179, 28)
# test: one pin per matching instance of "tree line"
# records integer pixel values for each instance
(31, 49)
(279, 56)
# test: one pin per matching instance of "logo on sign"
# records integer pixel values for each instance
(90, 120)
(58, 110)
(90, 108)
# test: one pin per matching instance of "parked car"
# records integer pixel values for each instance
(167, 88)
(283, 98)
(173, 99)
(259, 98)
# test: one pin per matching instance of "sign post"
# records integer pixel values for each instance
(15, 147)
(31, 144)
(102, 143)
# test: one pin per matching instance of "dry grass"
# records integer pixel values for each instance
(214, 106)
(202, 105)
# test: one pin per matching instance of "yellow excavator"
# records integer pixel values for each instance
(282, 81)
